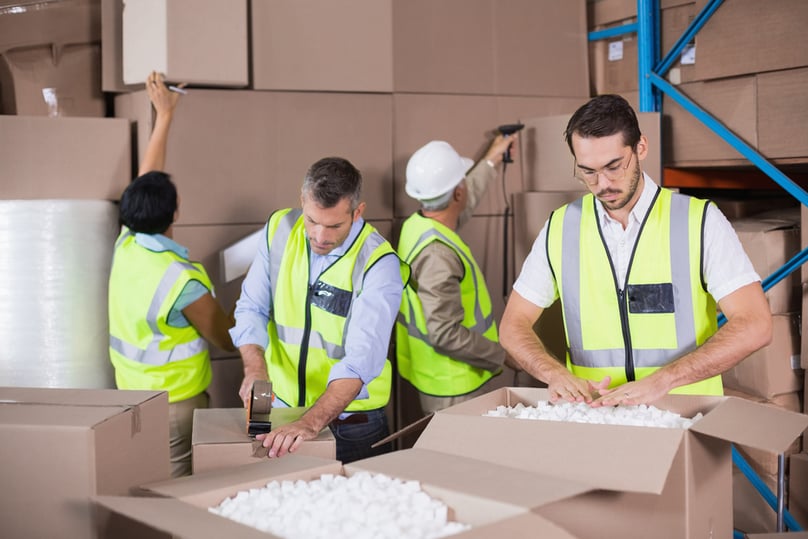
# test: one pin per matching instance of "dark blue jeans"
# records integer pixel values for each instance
(354, 439)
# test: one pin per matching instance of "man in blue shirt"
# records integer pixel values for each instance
(316, 312)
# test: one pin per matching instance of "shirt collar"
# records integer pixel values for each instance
(340, 250)
(639, 210)
(160, 243)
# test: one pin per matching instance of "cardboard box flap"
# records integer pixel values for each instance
(63, 417)
(486, 480)
(747, 423)
(246, 476)
(178, 518)
(81, 397)
(526, 526)
(416, 427)
(556, 449)
(184, 520)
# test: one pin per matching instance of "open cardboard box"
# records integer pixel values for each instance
(220, 438)
(651, 481)
(494, 499)
(61, 446)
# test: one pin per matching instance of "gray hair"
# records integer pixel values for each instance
(438, 203)
(332, 179)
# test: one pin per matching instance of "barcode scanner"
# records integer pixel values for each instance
(509, 129)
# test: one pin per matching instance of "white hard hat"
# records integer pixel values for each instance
(435, 169)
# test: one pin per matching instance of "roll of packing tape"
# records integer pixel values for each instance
(261, 397)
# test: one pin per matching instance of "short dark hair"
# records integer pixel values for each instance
(603, 116)
(331, 179)
(149, 203)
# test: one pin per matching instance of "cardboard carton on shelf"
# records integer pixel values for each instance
(495, 500)
(61, 446)
(220, 438)
(747, 36)
(770, 240)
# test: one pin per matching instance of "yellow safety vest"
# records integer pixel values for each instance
(664, 310)
(424, 367)
(307, 323)
(147, 353)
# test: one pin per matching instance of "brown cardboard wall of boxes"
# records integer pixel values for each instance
(273, 73)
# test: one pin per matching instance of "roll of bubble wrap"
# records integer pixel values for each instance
(55, 257)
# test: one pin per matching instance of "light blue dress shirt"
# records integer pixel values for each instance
(192, 291)
(372, 313)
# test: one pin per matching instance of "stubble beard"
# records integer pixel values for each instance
(620, 203)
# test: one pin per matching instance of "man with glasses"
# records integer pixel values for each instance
(640, 271)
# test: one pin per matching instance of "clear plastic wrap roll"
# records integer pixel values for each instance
(55, 257)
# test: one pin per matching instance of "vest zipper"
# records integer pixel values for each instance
(621, 298)
(304, 352)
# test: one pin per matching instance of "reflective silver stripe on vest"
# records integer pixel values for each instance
(279, 240)
(680, 276)
(481, 323)
(294, 336)
(152, 355)
(123, 237)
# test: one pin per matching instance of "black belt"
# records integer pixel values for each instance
(353, 419)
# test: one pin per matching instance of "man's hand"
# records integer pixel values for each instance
(255, 368)
(287, 438)
(566, 386)
(498, 147)
(645, 391)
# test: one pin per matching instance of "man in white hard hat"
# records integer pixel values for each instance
(446, 338)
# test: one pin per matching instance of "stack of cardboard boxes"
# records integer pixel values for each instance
(59, 447)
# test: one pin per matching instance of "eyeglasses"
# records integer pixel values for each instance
(612, 173)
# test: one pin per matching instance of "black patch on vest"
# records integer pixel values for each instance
(650, 298)
(331, 299)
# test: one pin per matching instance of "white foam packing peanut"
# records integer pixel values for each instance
(364, 505)
(579, 412)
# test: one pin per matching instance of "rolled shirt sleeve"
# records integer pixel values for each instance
(535, 282)
(252, 308)
(373, 313)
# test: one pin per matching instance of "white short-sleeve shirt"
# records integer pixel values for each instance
(726, 265)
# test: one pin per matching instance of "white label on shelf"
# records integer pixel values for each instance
(688, 54)
(615, 51)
